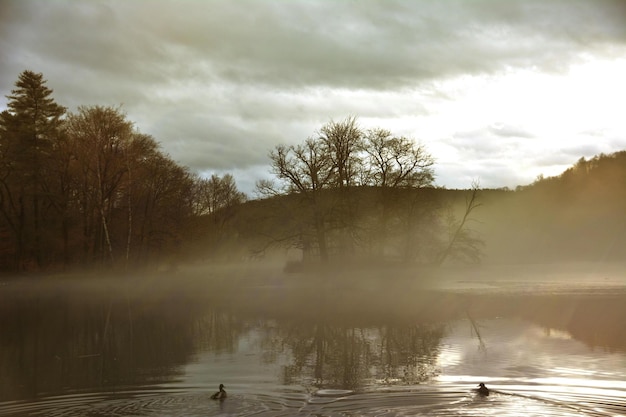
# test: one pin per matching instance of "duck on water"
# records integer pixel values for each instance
(482, 389)
(219, 395)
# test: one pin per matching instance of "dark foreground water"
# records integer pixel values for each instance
(133, 348)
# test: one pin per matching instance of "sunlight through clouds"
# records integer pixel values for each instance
(540, 113)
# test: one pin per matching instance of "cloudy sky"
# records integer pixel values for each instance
(498, 91)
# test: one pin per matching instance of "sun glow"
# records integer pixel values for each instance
(589, 95)
(535, 122)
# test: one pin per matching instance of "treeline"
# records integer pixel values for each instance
(87, 189)
(579, 215)
(352, 195)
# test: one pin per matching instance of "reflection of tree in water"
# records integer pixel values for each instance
(56, 343)
(410, 353)
(594, 319)
(217, 331)
(346, 357)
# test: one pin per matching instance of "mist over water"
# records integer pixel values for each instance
(547, 341)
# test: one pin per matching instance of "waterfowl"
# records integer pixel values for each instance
(482, 389)
(219, 395)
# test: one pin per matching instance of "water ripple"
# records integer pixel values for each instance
(451, 400)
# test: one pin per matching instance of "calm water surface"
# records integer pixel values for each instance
(132, 349)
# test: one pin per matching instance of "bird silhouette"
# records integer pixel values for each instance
(482, 389)
(219, 395)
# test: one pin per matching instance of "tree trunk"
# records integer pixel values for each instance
(321, 236)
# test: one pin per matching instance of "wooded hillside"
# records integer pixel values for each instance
(577, 216)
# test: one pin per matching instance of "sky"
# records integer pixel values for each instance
(497, 91)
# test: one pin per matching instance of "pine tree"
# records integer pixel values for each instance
(28, 131)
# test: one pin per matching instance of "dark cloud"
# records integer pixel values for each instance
(366, 44)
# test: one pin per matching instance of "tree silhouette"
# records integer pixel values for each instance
(330, 175)
(29, 134)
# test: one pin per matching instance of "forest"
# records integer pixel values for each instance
(87, 190)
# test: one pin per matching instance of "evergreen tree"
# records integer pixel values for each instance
(28, 132)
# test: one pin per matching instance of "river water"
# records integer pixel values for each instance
(129, 347)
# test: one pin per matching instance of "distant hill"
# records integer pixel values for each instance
(579, 215)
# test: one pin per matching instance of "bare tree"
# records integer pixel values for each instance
(305, 170)
(100, 135)
(396, 166)
(341, 158)
(216, 202)
(343, 141)
(397, 161)
(216, 193)
(462, 242)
